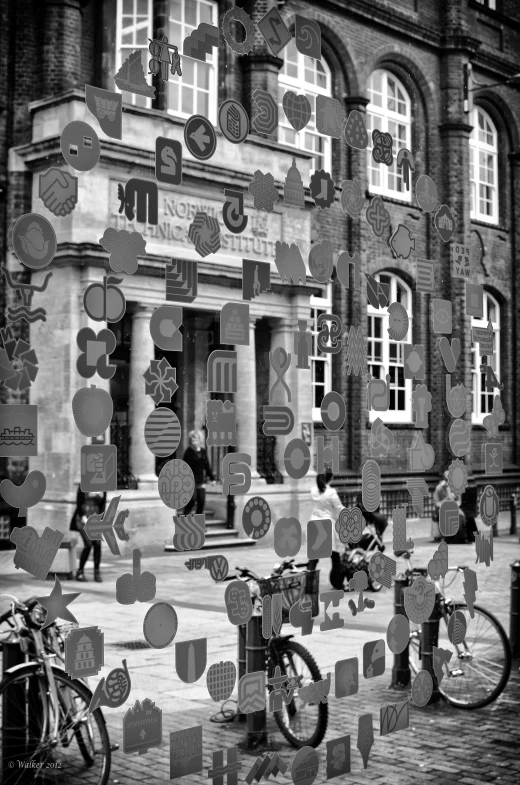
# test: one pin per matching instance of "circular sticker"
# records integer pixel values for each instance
(426, 193)
(457, 627)
(160, 625)
(80, 146)
(305, 765)
(256, 518)
(297, 459)
(34, 241)
(398, 633)
(176, 483)
(233, 121)
(162, 432)
(164, 327)
(200, 137)
(398, 322)
(422, 688)
(333, 411)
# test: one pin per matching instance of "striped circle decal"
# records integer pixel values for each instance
(162, 432)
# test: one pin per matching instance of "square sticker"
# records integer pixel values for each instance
(460, 261)
(346, 679)
(98, 468)
(319, 539)
(474, 300)
(18, 430)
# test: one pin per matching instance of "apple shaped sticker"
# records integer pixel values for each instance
(105, 302)
(92, 408)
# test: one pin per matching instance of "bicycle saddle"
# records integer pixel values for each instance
(406, 554)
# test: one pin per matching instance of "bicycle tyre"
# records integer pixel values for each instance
(74, 688)
(316, 737)
(445, 685)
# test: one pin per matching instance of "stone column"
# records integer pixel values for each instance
(142, 461)
(245, 399)
(62, 46)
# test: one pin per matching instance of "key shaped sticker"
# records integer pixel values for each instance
(136, 586)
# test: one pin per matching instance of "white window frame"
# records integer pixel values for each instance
(384, 119)
(211, 63)
(491, 4)
(392, 415)
(123, 50)
(299, 84)
(478, 378)
(477, 147)
(319, 305)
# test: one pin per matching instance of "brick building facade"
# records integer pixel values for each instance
(401, 63)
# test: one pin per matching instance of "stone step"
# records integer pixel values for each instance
(218, 523)
(220, 531)
(216, 542)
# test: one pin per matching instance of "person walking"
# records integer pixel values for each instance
(88, 504)
(196, 458)
(327, 504)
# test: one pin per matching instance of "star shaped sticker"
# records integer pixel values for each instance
(294, 682)
(56, 605)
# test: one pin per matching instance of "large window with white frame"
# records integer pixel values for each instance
(196, 91)
(312, 78)
(320, 362)
(483, 167)
(389, 110)
(133, 29)
(386, 356)
(482, 399)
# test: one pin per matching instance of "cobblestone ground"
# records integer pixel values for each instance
(442, 744)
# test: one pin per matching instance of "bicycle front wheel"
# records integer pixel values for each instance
(305, 726)
(28, 751)
(479, 667)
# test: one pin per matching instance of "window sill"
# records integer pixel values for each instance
(403, 426)
(392, 199)
(489, 225)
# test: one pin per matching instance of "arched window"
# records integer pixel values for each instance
(483, 167)
(390, 110)
(483, 400)
(385, 356)
(311, 77)
(321, 362)
(196, 91)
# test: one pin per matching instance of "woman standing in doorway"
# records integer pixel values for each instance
(197, 459)
(86, 505)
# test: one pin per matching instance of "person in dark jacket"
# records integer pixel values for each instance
(196, 458)
(86, 505)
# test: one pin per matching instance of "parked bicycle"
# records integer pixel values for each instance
(302, 723)
(480, 667)
(46, 731)
(355, 558)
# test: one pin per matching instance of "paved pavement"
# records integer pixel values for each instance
(442, 744)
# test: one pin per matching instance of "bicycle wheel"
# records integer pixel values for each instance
(479, 668)
(27, 752)
(301, 726)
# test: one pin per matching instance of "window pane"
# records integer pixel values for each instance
(187, 100)
(203, 76)
(175, 38)
(205, 13)
(190, 12)
(142, 7)
(202, 103)
(188, 71)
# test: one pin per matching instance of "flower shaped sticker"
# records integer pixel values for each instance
(160, 381)
(124, 248)
(378, 217)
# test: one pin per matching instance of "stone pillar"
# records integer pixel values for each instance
(511, 395)
(454, 191)
(352, 309)
(142, 461)
(61, 46)
(261, 67)
(245, 399)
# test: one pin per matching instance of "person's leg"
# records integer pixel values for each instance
(97, 560)
(87, 545)
(191, 504)
(336, 575)
(201, 499)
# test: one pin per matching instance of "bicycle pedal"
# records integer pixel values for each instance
(114, 747)
(352, 606)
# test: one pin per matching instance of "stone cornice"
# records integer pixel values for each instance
(454, 126)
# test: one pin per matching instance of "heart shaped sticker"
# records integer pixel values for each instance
(297, 109)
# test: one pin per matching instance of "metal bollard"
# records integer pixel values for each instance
(514, 614)
(429, 639)
(14, 706)
(512, 508)
(401, 667)
(241, 660)
(255, 661)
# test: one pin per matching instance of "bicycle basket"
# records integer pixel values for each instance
(293, 587)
